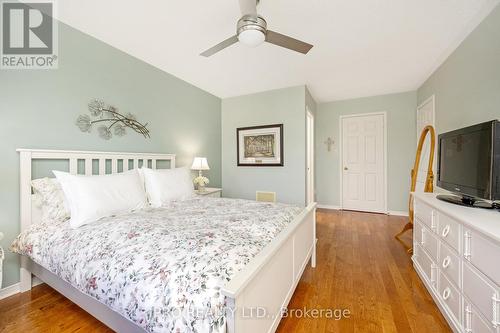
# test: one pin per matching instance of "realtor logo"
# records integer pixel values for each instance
(29, 35)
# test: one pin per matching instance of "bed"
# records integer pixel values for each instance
(229, 256)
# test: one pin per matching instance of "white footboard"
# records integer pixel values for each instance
(257, 295)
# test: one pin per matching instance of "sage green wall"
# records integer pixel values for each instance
(401, 141)
(467, 85)
(39, 107)
(286, 106)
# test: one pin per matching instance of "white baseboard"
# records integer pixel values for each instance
(390, 212)
(9, 291)
(328, 207)
(36, 281)
(15, 288)
(397, 213)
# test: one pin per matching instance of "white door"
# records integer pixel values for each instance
(425, 116)
(363, 163)
(310, 158)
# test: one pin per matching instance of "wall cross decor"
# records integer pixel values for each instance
(329, 143)
(110, 121)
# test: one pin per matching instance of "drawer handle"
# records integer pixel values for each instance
(467, 247)
(446, 231)
(434, 272)
(446, 262)
(496, 302)
(446, 293)
(468, 319)
(433, 221)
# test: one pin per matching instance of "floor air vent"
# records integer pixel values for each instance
(265, 196)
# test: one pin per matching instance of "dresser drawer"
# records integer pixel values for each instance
(450, 296)
(482, 253)
(426, 239)
(418, 232)
(449, 263)
(472, 321)
(481, 292)
(449, 231)
(426, 214)
(426, 265)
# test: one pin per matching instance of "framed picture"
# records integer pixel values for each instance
(260, 145)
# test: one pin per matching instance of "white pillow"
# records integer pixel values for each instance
(165, 185)
(52, 202)
(91, 198)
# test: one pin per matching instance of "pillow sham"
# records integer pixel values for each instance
(91, 198)
(166, 185)
(52, 202)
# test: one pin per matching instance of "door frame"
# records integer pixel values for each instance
(341, 154)
(430, 99)
(310, 157)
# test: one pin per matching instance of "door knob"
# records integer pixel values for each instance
(345, 168)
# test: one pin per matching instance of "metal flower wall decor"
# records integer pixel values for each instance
(109, 121)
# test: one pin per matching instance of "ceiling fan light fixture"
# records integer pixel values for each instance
(251, 30)
(251, 37)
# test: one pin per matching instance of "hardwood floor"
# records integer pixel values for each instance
(360, 267)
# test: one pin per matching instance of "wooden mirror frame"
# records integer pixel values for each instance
(429, 180)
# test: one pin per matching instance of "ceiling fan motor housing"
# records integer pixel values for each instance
(251, 22)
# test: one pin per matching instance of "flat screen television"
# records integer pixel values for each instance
(469, 164)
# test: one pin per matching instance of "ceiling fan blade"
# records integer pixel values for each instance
(287, 42)
(248, 7)
(221, 46)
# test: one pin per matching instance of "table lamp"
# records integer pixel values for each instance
(200, 164)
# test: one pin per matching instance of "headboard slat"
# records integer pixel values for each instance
(102, 166)
(114, 165)
(73, 166)
(88, 167)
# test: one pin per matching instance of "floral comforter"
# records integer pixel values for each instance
(160, 268)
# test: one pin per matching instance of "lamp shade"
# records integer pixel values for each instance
(200, 163)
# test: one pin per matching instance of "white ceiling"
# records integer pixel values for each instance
(361, 47)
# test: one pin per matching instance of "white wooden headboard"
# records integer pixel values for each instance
(27, 156)
(129, 161)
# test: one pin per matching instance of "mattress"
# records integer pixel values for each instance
(161, 268)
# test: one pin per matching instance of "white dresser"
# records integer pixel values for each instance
(457, 256)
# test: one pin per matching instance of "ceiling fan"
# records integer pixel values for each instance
(252, 31)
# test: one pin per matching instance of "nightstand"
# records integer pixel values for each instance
(212, 192)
